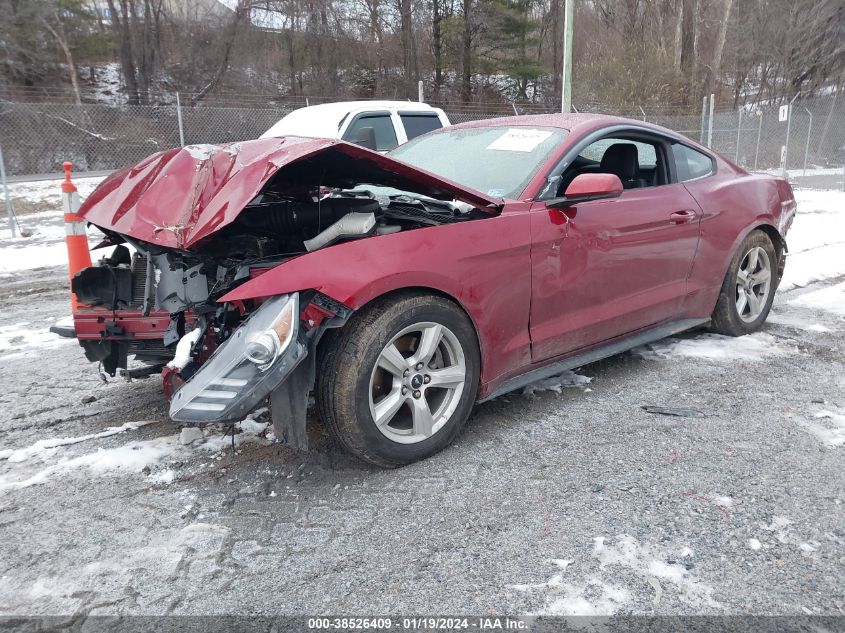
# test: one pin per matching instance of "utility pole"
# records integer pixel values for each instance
(788, 129)
(710, 122)
(566, 84)
(9, 211)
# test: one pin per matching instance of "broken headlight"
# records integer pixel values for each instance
(246, 368)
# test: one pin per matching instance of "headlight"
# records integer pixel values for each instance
(265, 347)
(246, 368)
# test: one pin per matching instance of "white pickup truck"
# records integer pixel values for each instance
(378, 125)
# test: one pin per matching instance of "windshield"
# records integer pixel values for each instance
(498, 161)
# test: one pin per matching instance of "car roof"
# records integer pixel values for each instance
(573, 122)
(323, 120)
(341, 107)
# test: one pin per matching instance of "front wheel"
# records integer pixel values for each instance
(749, 287)
(399, 381)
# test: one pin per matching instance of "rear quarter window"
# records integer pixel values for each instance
(691, 164)
(418, 124)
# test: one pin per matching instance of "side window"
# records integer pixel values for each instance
(418, 124)
(690, 163)
(637, 163)
(646, 153)
(374, 131)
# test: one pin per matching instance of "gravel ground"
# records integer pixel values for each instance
(570, 502)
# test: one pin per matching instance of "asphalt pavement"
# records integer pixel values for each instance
(572, 502)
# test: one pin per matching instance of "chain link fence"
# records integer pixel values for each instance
(36, 137)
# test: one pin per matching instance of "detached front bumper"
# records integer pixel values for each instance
(246, 368)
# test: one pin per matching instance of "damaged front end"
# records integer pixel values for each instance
(192, 224)
(270, 354)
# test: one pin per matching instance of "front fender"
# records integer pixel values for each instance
(483, 264)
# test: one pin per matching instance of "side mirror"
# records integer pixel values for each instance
(588, 187)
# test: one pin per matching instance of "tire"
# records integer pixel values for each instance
(735, 314)
(354, 386)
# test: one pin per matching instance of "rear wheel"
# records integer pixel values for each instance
(749, 287)
(399, 381)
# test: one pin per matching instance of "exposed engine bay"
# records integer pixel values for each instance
(278, 224)
(181, 287)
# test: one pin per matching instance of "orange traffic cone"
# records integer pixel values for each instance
(78, 255)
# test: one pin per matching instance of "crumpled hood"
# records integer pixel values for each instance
(178, 197)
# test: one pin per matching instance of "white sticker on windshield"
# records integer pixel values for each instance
(519, 140)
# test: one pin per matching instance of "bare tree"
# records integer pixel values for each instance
(60, 36)
(466, 53)
(437, 43)
(719, 47)
(136, 25)
(409, 49)
(242, 11)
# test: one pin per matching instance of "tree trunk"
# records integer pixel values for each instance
(241, 11)
(293, 63)
(59, 35)
(557, 39)
(123, 36)
(377, 39)
(716, 64)
(679, 19)
(408, 48)
(437, 45)
(688, 38)
(466, 54)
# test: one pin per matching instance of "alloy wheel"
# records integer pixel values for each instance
(753, 284)
(417, 382)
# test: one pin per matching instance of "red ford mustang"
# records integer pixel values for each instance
(401, 289)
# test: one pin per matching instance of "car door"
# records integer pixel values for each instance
(605, 268)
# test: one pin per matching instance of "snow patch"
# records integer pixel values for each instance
(253, 426)
(132, 457)
(163, 477)
(796, 322)
(754, 544)
(46, 447)
(252, 431)
(48, 193)
(565, 594)
(594, 598)
(19, 337)
(557, 383)
(183, 349)
(830, 299)
(816, 239)
(45, 247)
(780, 525)
(832, 433)
(753, 347)
(724, 502)
(189, 435)
(644, 562)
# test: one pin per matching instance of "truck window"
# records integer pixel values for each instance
(374, 131)
(417, 123)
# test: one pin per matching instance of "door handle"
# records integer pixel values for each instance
(681, 217)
